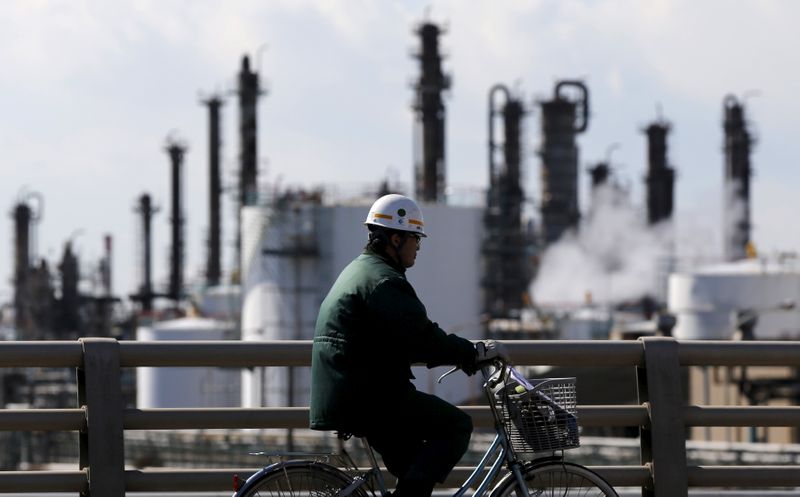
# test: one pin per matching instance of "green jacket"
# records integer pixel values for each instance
(371, 328)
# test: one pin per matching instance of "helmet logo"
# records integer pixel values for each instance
(401, 212)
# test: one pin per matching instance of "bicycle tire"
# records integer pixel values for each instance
(298, 478)
(561, 479)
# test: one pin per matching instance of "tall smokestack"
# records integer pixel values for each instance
(176, 152)
(660, 177)
(69, 320)
(506, 274)
(213, 264)
(22, 263)
(429, 168)
(249, 91)
(559, 152)
(737, 181)
(25, 218)
(146, 210)
(108, 246)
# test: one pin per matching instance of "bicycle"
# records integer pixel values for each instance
(535, 421)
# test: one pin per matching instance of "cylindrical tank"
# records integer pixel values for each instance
(222, 302)
(279, 292)
(706, 302)
(187, 387)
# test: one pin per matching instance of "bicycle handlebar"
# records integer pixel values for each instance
(488, 367)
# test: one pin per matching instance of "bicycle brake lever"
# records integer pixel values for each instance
(455, 368)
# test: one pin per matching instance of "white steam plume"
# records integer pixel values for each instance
(614, 256)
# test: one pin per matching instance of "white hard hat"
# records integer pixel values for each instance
(396, 212)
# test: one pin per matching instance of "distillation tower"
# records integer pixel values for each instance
(736, 209)
(562, 119)
(506, 271)
(429, 126)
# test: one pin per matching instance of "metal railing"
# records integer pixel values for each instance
(661, 416)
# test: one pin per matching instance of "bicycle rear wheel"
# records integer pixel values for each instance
(552, 479)
(298, 478)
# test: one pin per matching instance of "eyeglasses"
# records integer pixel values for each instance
(417, 238)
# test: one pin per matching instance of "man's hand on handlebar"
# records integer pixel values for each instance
(489, 351)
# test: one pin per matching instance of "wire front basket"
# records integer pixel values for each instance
(543, 419)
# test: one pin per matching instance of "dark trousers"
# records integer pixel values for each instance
(421, 439)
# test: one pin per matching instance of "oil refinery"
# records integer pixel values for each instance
(508, 262)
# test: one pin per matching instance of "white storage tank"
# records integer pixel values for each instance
(585, 323)
(222, 302)
(164, 387)
(707, 301)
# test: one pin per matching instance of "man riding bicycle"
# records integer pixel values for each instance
(371, 328)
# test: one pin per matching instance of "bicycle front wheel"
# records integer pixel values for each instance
(298, 478)
(552, 479)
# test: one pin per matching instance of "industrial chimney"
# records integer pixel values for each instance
(106, 265)
(249, 91)
(561, 122)
(429, 163)
(69, 317)
(736, 209)
(22, 261)
(505, 273)
(176, 150)
(660, 178)
(25, 217)
(213, 264)
(146, 210)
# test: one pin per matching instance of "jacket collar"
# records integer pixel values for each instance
(385, 258)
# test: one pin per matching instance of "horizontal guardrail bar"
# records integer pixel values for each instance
(550, 352)
(727, 353)
(613, 416)
(744, 476)
(176, 480)
(297, 417)
(188, 418)
(589, 415)
(41, 354)
(43, 481)
(42, 419)
(221, 353)
(576, 352)
(229, 353)
(234, 353)
(742, 416)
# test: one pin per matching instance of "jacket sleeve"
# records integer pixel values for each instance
(400, 315)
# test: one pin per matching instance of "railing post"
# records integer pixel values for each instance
(663, 442)
(102, 451)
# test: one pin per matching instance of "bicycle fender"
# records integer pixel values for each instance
(524, 467)
(253, 479)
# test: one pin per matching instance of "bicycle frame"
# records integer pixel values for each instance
(499, 450)
(497, 453)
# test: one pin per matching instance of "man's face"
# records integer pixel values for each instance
(407, 254)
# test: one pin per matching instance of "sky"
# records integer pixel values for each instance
(90, 90)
